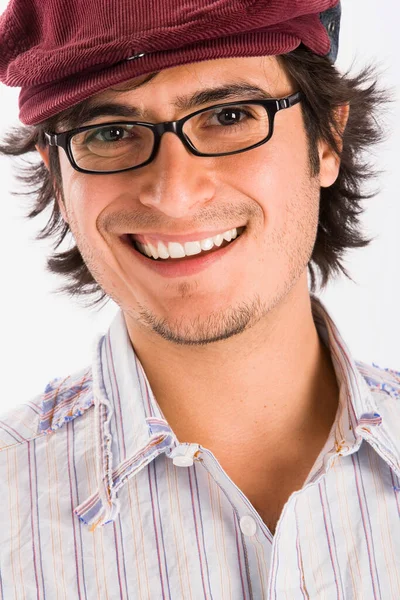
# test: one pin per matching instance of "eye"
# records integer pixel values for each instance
(231, 115)
(114, 133)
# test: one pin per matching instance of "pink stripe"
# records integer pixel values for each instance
(141, 377)
(328, 539)
(35, 408)
(118, 562)
(70, 467)
(161, 526)
(156, 534)
(35, 492)
(32, 524)
(339, 359)
(197, 533)
(120, 438)
(239, 557)
(396, 491)
(332, 530)
(7, 428)
(298, 553)
(202, 530)
(361, 504)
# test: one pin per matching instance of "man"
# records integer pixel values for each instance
(224, 443)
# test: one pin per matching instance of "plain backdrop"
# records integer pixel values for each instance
(47, 335)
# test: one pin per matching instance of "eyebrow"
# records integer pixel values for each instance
(91, 109)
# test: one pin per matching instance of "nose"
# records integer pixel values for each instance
(177, 182)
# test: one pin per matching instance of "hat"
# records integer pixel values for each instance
(60, 52)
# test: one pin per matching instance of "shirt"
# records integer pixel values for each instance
(100, 501)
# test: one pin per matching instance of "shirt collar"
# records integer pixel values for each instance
(131, 429)
(368, 401)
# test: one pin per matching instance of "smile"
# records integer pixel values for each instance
(191, 265)
(160, 250)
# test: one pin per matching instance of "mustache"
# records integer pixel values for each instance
(130, 220)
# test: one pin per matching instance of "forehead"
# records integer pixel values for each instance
(265, 70)
(180, 88)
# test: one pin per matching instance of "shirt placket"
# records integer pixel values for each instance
(256, 538)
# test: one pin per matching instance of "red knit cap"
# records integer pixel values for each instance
(60, 52)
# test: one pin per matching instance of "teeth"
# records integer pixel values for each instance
(207, 244)
(153, 251)
(176, 250)
(218, 239)
(162, 250)
(192, 248)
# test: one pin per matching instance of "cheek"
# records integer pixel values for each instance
(282, 161)
(276, 177)
(85, 197)
(273, 175)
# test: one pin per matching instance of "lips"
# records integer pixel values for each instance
(184, 258)
(221, 244)
(186, 266)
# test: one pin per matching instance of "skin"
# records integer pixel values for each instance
(235, 361)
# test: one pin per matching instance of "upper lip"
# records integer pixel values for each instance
(190, 237)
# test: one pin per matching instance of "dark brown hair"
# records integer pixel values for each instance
(325, 88)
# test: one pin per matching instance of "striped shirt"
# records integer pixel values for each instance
(100, 501)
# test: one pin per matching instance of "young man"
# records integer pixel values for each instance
(224, 443)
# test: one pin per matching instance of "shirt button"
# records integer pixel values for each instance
(248, 525)
(182, 461)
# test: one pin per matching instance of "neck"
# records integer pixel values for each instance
(272, 382)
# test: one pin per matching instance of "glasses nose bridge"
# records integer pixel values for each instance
(168, 127)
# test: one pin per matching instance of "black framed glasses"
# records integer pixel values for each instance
(219, 130)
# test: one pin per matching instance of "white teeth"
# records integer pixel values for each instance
(162, 250)
(192, 248)
(153, 250)
(218, 239)
(207, 244)
(145, 249)
(176, 250)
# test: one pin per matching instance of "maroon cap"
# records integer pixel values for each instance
(60, 52)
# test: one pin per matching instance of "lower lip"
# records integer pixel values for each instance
(184, 267)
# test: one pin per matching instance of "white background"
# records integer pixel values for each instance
(45, 335)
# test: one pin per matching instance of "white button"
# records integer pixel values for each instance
(182, 461)
(183, 454)
(248, 525)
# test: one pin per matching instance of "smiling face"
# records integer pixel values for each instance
(182, 197)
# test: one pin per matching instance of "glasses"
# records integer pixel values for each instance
(219, 130)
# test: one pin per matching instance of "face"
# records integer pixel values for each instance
(268, 190)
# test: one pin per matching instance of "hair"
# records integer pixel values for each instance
(325, 89)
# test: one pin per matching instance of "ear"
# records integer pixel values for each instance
(44, 153)
(330, 162)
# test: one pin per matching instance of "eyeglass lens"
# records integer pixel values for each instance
(216, 131)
